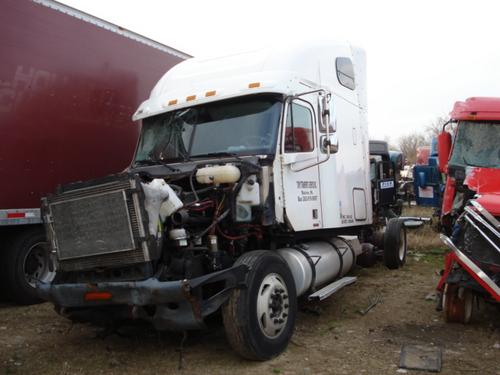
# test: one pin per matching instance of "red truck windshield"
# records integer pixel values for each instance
(246, 126)
(477, 144)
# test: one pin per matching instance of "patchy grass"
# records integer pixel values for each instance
(331, 338)
(425, 238)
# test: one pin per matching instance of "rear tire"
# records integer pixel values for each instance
(26, 260)
(259, 320)
(457, 304)
(395, 245)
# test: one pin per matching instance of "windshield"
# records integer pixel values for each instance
(477, 145)
(243, 126)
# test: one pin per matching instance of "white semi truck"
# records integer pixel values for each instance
(250, 187)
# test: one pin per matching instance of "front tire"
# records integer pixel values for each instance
(395, 245)
(26, 261)
(259, 319)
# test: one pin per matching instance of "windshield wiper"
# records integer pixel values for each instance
(219, 153)
(156, 161)
(468, 164)
(230, 154)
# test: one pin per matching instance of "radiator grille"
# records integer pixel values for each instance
(99, 225)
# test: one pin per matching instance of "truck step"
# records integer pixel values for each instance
(334, 287)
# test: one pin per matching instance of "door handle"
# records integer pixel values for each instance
(287, 159)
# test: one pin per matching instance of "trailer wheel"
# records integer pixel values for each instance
(26, 261)
(259, 319)
(395, 245)
(457, 304)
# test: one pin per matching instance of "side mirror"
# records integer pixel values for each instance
(329, 143)
(444, 148)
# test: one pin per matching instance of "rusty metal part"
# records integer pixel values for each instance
(193, 301)
(457, 304)
(373, 301)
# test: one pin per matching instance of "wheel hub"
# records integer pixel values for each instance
(36, 264)
(272, 305)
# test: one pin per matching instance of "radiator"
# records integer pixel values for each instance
(98, 224)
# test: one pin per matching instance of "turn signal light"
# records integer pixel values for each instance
(254, 85)
(98, 296)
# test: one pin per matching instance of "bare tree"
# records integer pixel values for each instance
(408, 145)
(434, 128)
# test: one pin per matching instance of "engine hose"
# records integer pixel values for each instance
(191, 184)
(236, 238)
(200, 191)
(214, 223)
(202, 206)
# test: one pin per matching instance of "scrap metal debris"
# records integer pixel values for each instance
(373, 301)
(419, 357)
(431, 297)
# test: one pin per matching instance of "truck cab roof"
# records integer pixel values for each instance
(477, 109)
(285, 70)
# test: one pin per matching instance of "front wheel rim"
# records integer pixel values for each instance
(36, 265)
(272, 305)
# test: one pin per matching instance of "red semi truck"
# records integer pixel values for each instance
(469, 155)
(69, 84)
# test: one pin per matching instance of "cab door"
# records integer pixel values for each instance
(299, 165)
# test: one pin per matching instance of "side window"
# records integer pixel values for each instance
(345, 72)
(299, 129)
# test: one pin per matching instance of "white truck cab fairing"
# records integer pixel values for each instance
(312, 191)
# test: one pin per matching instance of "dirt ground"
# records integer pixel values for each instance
(331, 337)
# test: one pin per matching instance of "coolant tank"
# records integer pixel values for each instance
(249, 192)
(220, 174)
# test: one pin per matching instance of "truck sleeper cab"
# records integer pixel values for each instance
(250, 187)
